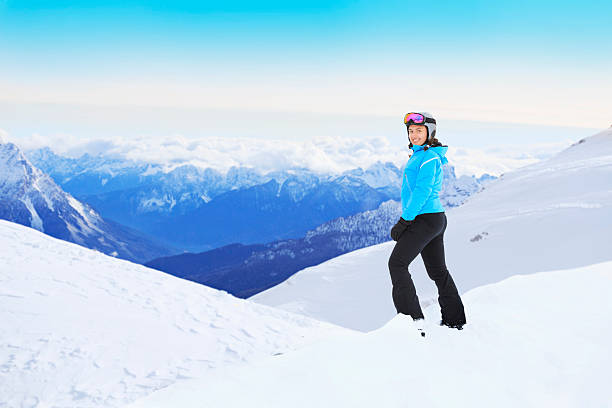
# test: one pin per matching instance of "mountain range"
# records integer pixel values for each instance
(209, 206)
(30, 197)
(197, 209)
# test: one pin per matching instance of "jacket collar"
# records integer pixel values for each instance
(439, 150)
(416, 148)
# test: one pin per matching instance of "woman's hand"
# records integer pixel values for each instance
(399, 228)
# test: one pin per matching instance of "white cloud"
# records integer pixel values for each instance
(323, 154)
(3, 136)
(500, 159)
(320, 154)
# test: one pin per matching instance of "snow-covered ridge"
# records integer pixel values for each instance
(20, 181)
(578, 177)
(83, 329)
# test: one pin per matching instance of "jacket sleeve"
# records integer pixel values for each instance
(424, 185)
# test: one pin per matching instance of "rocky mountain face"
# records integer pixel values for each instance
(30, 197)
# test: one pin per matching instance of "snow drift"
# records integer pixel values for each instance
(531, 341)
(82, 329)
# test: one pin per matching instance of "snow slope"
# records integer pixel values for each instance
(532, 341)
(551, 215)
(82, 329)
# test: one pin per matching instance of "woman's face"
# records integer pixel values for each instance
(417, 134)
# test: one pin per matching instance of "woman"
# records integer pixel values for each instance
(421, 226)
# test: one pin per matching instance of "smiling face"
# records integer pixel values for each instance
(417, 134)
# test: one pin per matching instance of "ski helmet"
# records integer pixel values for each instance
(427, 120)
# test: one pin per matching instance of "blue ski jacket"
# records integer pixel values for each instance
(422, 181)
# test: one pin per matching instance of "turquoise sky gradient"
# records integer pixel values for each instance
(545, 62)
(197, 34)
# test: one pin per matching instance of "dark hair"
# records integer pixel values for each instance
(434, 142)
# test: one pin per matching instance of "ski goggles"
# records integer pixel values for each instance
(417, 119)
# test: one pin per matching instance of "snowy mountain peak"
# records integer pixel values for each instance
(22, 183)
(15, 166)
(43, 154)
(30, 197)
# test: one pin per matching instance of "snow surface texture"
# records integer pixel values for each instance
(82, 329)
(531, 341)
(551, 215)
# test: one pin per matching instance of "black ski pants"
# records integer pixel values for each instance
(425, 235)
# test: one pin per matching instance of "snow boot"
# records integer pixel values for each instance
(452, 326)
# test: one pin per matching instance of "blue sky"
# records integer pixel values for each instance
(537, 62)
(198, 33)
